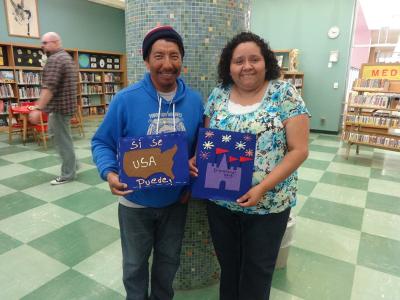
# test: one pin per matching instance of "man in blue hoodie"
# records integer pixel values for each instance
(150, 219)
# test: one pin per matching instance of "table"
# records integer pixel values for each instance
(23, 111)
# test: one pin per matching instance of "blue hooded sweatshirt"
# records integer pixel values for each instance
(134, 112)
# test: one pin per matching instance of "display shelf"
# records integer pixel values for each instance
(372, 116)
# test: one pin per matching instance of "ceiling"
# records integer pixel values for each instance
(378, 13)
(381, 13)
(113, 3)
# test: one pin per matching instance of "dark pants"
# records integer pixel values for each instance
(143, 229)
(247, 247)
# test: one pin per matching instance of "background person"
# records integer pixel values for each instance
(58, 97)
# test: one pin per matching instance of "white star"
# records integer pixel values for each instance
(240, 145)
(226, 138)
(208, 145)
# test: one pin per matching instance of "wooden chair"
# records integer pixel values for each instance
(41, 129)
(77, 121)
(15, 125)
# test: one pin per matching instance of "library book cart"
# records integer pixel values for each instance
(372, 115)
(101, 75)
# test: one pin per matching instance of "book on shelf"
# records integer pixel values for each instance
(298, 82)
(376, 100)
(28, 77)
(111, 88)
(89, 77)
(85, 101)
(100, 110)
(112, 77)
(383, 141)
(372, 121)
(290, 80)
(88, 89)
(6, 76)
(108, 98)
(3, 120)
(29, 92)
(6, 91)
(372, 83)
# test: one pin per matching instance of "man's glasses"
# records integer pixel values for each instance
(46, 42)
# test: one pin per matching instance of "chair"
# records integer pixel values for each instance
(41, 129)
(15, 125)
(77, 121)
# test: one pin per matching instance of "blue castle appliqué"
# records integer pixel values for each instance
(215, 175)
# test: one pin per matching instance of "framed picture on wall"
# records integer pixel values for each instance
(22, 18)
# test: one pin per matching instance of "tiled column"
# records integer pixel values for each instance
(206, 26)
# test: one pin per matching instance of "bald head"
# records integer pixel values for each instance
(51, 42)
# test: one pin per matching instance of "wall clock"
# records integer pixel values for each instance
(333, 32)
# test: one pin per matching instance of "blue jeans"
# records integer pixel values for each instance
(247, 247)
(144, 229)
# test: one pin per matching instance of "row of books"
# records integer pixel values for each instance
(6, 91)
(4, 107)
(372, 121)
(89, 77)
(111, 88)
(297, 82)
(29, 92)
(372, 139)
(89, 101)
(93, 110)
(108, 98)
(28, 77)
(379, 101)
(372, 83)
(112, 77)
(88, 89)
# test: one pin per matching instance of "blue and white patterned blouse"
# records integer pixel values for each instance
(280, 102)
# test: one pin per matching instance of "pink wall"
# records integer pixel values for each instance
(362, 36)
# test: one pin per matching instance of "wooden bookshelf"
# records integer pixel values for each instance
(294, 77)
(20, 76)
(372, 115)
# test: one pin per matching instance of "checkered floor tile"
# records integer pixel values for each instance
(62, 242)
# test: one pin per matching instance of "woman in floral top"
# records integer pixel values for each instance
(247, 233)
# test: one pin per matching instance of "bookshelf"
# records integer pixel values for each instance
(372, 115)
(294, 77)
(101, 75)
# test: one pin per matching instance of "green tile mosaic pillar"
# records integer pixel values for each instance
(205, 26)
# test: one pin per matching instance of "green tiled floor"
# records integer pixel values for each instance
(62, 242)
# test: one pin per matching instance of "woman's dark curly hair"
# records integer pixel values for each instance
(272, 70)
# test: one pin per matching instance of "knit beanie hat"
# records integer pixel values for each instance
(161, 32)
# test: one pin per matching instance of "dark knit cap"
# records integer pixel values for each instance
(161, 32)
